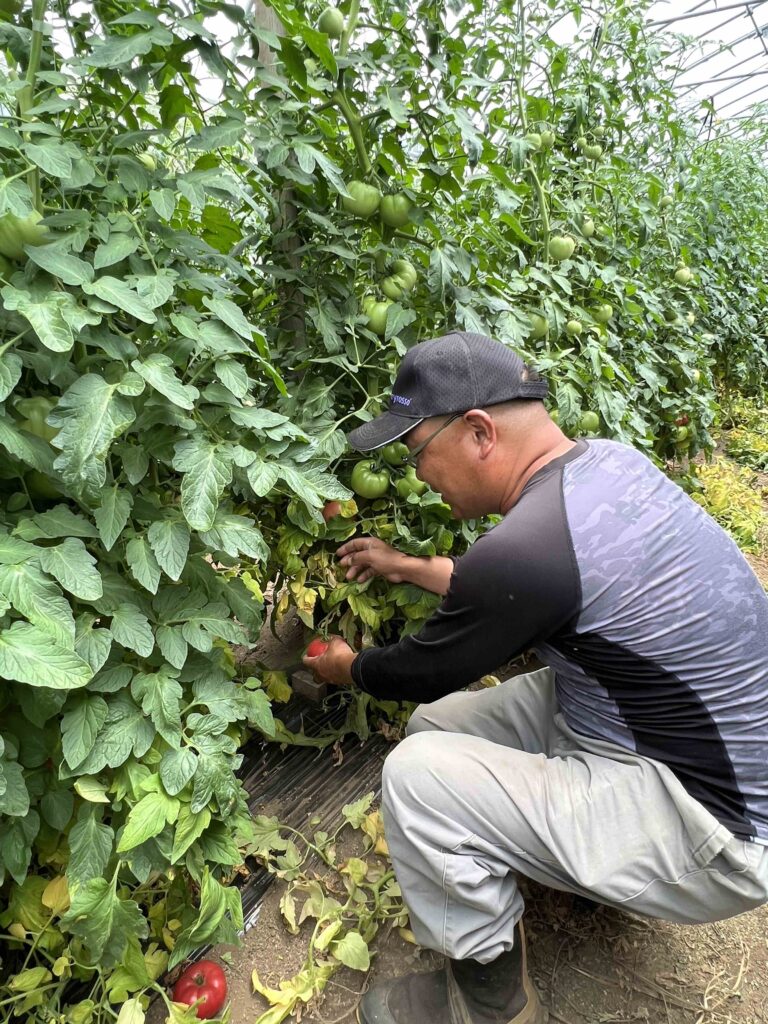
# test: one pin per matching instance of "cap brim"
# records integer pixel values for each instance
(382, 430)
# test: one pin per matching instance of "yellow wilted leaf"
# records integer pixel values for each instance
(17, 930)
(407, 935)
(56, 895)
(61, 967)
(381, 847)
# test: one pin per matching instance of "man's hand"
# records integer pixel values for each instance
(366, 557)
(334, 665)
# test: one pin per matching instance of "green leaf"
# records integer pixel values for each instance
(176, 769)
(112, 515)
(231, 314)
(142, 563)
(90, 415)
(70, 269)
(118, 293)
(131, 1012)
(80, 726)
(131, 629)
(92, 644)
(169, 539)
(118, 247)
(172, 644)
(157, 370)
(34, 451)
(31, 655)
(233, 376)
(160, 696)
(116, 50)
(355, 813)
(262, 476)
(352, 951)
(38, 598)
(103, 921)
(54, 315)
(50, 157)
(90, 847)
(10, 372)
(258, 710)
(236, 535)
(163, 201)
(74, 567)
(13, 551)
(126, 731)
(207, 469)
(14, 801)
(148, 818)
(59, 521)
(189, 827)
(57, 806)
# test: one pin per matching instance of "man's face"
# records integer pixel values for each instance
(445, 463)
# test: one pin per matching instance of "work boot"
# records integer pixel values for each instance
(461, 992)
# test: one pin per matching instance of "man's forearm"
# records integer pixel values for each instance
(433, 574)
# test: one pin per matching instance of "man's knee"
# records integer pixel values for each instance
(439, 716)
(414, 765)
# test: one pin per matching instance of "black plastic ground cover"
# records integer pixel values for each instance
(296, 784)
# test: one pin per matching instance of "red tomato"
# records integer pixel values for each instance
(682, 421)
(205, 981)
(331, 509)
(317, 647)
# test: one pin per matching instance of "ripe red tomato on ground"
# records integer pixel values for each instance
(317, 647)
(204, 980)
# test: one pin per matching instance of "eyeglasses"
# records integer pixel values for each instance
(412, 458)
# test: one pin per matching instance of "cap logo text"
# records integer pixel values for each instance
(399, 400)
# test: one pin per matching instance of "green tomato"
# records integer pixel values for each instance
(405, 269)
(368, 482)
(148, 161)
(561, 247)
(670, 315)
(690, 318)
(394, 453)
(539, 326)
(377, 316)
(665, 202)
(35, 412)
(581, 142)
(10, 9)
(554, 415)
(534, 140)
(589, 423)
(574, 328)
(547, 139)
(16, 232)
(363, 199)
(683, 275)
(396, 210)
(593, 152)
(409, 484)
(331, 22)
(393, 287)
(696, 376)
(603, 313)
(588, 227)
(681, 435)
(41, 486)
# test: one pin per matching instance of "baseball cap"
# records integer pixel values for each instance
(453, 373)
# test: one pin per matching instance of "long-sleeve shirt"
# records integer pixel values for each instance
(649, 615)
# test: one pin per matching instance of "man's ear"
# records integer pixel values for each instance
(484, 432)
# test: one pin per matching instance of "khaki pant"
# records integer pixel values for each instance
(492, 784)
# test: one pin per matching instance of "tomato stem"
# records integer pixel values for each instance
(26, 94)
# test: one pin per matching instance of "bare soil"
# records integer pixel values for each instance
(590, 967)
